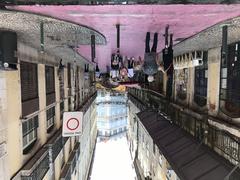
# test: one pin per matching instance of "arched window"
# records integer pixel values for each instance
(230, 82)
(201, 77)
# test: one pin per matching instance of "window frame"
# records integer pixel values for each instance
(31, 129)
(228, 97)
(201, 81)
(50, 118)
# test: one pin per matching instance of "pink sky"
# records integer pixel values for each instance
(135, 21)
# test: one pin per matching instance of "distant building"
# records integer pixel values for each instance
(111, 113)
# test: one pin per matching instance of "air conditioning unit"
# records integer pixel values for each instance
(197, 62)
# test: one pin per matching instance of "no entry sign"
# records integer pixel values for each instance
(72, 124)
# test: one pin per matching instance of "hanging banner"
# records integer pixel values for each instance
(72, 124)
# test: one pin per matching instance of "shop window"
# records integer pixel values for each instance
(230, 84)
(201, 78)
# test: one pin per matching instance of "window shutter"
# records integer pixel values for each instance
(50, 84)
(29, 88)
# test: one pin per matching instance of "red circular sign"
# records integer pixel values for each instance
(73, 127)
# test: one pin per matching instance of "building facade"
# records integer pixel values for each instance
(112, 113)
(35, 92)
(148, 160)
(204, 104)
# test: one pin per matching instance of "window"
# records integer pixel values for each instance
(181, 83)
(50, 117)
(29, 131)
(50, 84)
(29, 88)
(200, 85)
(230, 84)
(29, 78)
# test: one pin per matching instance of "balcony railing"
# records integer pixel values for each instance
(194, 123)
(37, 167)
(56, 144)
(88, 99)
(71, 164)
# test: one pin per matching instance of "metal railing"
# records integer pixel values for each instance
(39, 171)
(57, 147)
(222, 142)
(71, 164)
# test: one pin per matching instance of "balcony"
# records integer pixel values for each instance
(88, 99)
(71, 164)
(55, 144)
(189, 158)
(36, 168)
(195, 124)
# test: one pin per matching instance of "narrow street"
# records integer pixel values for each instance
(112, 160)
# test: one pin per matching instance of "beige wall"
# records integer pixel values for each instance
(190, 86)
(14, 128)
(42, 131)
(57, 93)
(213, 80)
(3, 128)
